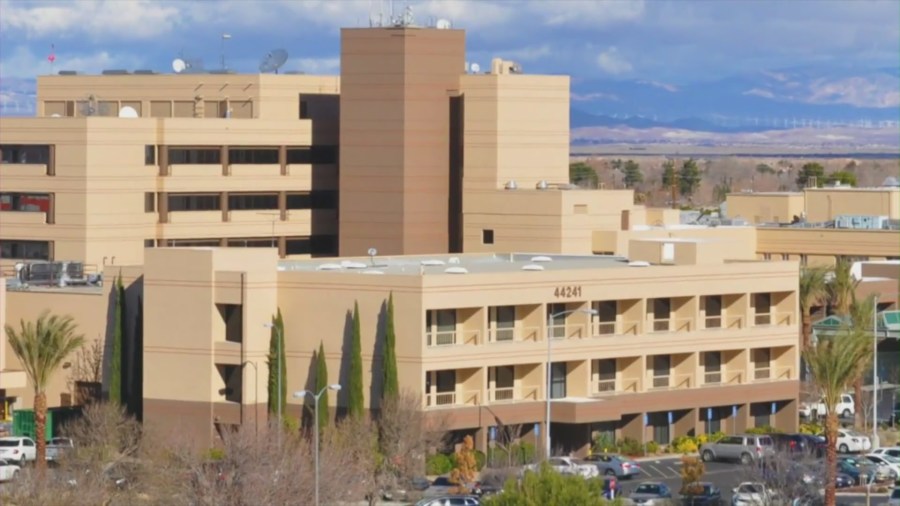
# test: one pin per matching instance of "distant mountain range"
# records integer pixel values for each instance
(807, 98)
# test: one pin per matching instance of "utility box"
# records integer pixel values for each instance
(23, 421)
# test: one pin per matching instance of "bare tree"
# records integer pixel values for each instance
(790, 475)
(86, 378)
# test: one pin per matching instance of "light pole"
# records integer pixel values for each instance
(299, 395)
(875, 439)
(278, 339)
(255, 393)
(225, 36)
(550, 318)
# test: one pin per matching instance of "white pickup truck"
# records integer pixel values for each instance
(844, 408)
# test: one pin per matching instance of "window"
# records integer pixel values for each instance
(558, 372)
(713, 311)
(261, 242)
(440, 325)
(194, 202)
(149, 202)
(195, 156)
(297, 246)
(662, 364)
(324, 245)
(761, 361)
(299, 200)
(557, 328)
(713, 367)
(149, 243)
(762, 306)
(605, 371)
(194, 242)
(661, 312)
(487, 236)
(26, 202)
(38, 154)
(299, 155)
(149, 154)
(605, 319)
(246, 201)
(253, 156)
(25, 250)
(714, 423)
(660, 424)
(504, 319)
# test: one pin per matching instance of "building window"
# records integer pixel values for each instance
(713, 308)
(605, 318)
(38, 154)
(557, 328)
(253, 156)
(300, 156)
(258, 242)
(558, 371)
(25, 202)
(487, 236)
(662, 365)
(149, 154)
(712, 362)
(185, 243)
(149, 243)
(323, 245)
(660, 424)
(604, 375)
(248, 201)
(194, 202)
(504, 320)
(440, 326)
(297, 246)
(762, 306)
(762, 363)
(195, 156)
(25, 250)
(300, 200)
(662, 309)
(149, 202)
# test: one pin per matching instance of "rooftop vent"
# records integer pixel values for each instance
(145, 72)
(114, 72)
(329, 267)
(532, 267)
(511, 185)
(347, 264)
(541, 258)
(432, 262)
(294, 72)
(456, 270)
(639, 263)
(220, 71)
(371, 271)
(542, 185)
(68, 72)
(453, 260)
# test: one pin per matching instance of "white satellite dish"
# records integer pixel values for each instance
(443, 24)
(475, 68)
(178, 65)
(128, 112)
(55, 115)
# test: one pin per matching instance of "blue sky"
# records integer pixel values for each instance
(672, 41)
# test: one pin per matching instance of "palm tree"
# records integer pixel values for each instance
(834, 363)
(42, 346)
(841, 288)
(813, 290)
(861, 315)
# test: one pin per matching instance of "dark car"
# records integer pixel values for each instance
(843, 481)
(799, 443)
(855, 469)
(706, 494)
(650, 493)
(816, 445)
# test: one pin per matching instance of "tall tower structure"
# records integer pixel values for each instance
(395, 137)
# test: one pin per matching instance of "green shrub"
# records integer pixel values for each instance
(714, 437)
(810, 428)
(438, 464)
(603, 443)
(215, 454)
(652, 447)
(522, 453)
(630, 446)
(684, 444)
(480, 459)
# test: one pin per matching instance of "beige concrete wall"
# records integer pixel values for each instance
(736, 243)
(828, 242)
(516, 127)
(824, 204)
(765, 207)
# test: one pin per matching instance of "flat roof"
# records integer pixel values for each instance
(446, 264)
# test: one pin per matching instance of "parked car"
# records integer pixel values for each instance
(893, 451)
(816, 445)
(651, 493)
(844, 481)
(850, 441)
(706, 494)
(884, 460)
(450, 500)
(567, 465)
(57, 446)
(855, 469)
(744, 447)
(402, 492)
(793, 443)
(895, 497)
(441, 486)
(845, 408)
(612, 464)
(8, 470)
(751, 493)
(17, 449)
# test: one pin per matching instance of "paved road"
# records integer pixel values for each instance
(725, 476)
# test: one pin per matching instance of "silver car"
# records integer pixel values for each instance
(612, 464)
(747, 448)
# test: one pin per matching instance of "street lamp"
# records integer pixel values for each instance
(300, 395)
(225, 36)
(278, 338)
(550, 318)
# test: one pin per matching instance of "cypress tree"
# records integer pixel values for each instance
(274, 360)
(115, 359)
(321, 385)
(390, 386)
(355, 395)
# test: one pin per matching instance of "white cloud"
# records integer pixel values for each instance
(589, 97)
(530, 53)
(611, 62)
(135, 19)
(315, 65)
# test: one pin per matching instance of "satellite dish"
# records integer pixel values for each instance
(443, 24)
(273, 61)
(128, 112)
(178, 65)
(55, 115)
(475, 68)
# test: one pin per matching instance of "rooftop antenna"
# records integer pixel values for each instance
(225, 36)
(273, 60)
(372, 252)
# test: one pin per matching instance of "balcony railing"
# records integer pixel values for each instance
(661, 324)
(673, 324)
(762, 373)
(518, 334)
(762, 319)
(604, 387)
(599, 329)
(512, 394)
(713, 377)
(449, 399)
(672, 382)
(567, 331)
(772, 373)
(713, 322)
(451, 337)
